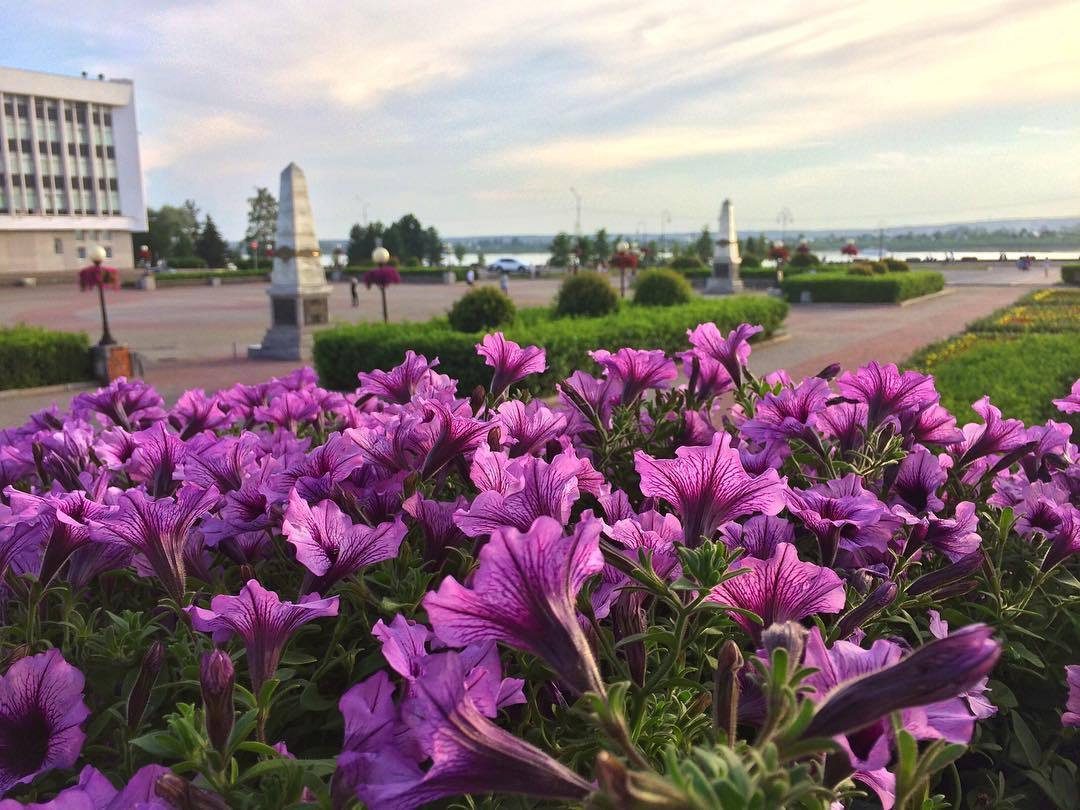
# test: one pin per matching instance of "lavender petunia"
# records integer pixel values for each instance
(732, 352)
(130, 404)
(157, 456)
(759, 536)
(636, 370)
(955, 537)
(935, 425)
(436, 519)
(523, 595)
(887, 392)
(510, 361)
(918, 479)
(400, 383)
(789, 414)
(1066, 540)
(439, 721)
(708, 486)
(1071, 715)
(845, 517)
(262, 621)
(779, 589)
(589, 400)
(528, 428)
(994, 436)
(41, 711)
(195, 412)
(159, 530)
(450, 435)
(1071, 403)
(330, 546)
(289, 410)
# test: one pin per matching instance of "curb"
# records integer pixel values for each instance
(930, 297)
(60, 388)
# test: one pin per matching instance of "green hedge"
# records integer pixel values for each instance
(186, 262)
(890, 288)
(1070, 273)
(31, 356)
(421, 274)
(343, 351)
(202, 275)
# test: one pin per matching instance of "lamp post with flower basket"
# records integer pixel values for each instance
(624, 258)
(382, 276)
(850, 249)
(95, 275)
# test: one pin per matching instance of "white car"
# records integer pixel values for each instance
(509, 266)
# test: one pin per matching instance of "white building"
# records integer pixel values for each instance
(70, 175)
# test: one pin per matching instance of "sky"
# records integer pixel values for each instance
(479, 117)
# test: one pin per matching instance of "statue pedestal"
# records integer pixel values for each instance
(725, 280)
(292, 314)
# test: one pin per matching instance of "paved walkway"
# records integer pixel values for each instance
(198, 336)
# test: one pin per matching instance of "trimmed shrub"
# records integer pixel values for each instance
(896, 265)
(751, 261)
(860, 270)
(31, 356)
(1070, 273)
(586, 294)
(202, 275)
(196, 262)
(804, 260)
(481, 309)
(687, 262)
(662, 288)
(343, 351)
(877, 289)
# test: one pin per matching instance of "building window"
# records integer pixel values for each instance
(108, 253)
(25, 144)
(12, 145)
(108, 119)
(79, 235)
(54, 147)
(58, 246)
(82, 253)
(107, 235)
(110, 152)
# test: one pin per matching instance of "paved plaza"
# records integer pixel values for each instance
(198, 336)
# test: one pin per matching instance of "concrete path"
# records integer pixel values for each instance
(197, 336)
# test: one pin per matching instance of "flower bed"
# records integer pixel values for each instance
(889, 288)
(340, 353)
(1021, 355)
(737, 592)
(31, 356)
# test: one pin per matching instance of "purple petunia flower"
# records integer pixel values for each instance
(1071, 403)
(589, 399)
(636, 370)
(159, 530)
(439, 721)
(400, 383)
(1066, 540)
(95, 792)
(955, 537)
(708, 486)
(20, 544)
(1071, 715)
(330, 546)
(130, 404)
(935, 425)
(759, 536)
(154, 462)
(449, 435)
(516, 492)
(779, 589)
(1040, 509)
(262, 621)
(523, 594)
(528, 428)
(289, 410)
(887, 392)
(41, 710)
(845, 517)
(224, 462)
(732, 352)
(789, 414)
(994, 436)
(918, 478)
(436, 519)
(510, 361)
(195, 412)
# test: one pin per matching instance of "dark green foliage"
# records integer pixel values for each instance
(407, 240)
(31, 356)
(202, 275)
(881, 289)
(210, 247)
(342, 352)
(662, 288)
(1070, 273)
(750, 260)
(687, 261)
(588, 294)
(482, 309)
(561, 246)
(896, 265)
(860, 270)
(804, 260)
(194, 261)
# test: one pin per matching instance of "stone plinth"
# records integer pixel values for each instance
(725, 278)
(299, 294)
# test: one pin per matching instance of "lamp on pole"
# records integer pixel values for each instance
(625, 256)
(577, 216)
(97, 256)
(381, 256)
(665, 219)
(784, 218)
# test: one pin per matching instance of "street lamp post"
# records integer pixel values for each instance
(381, 256)
(625, 256)
(253, 245)
(97, 256)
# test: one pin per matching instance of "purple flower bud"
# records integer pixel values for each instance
(144, 684)
(882, 596)
(829, 371)
(935, 580)
(729, 662)
(181, 794)
(937, 671)
(217, 678)
(789, 635)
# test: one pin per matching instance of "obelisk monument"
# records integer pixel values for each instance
(299, 294)
(725, 277)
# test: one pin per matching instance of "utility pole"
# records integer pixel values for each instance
(881, 242)
(665, 219)
(577, 217)
(785, 218)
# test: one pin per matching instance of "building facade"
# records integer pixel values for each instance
(70, 173)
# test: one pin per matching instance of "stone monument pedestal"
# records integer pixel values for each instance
(299, 294)
(725, 279)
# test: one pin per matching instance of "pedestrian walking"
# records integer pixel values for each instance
(504, 282)
(470, 276)
(354, 291)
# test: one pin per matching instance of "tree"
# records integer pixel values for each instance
(459, 253)
(602, 246)
(561, 246)
(363, 239)
(433, 247)
(210, 246)
(584, 249)
(191, 211)
(703, 245)
(169, 231)
(262, 217)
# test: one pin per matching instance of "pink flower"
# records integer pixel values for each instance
(510, 361)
